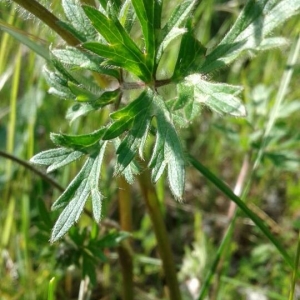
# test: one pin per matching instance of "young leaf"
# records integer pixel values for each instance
(121, 50)
(56, 158)
(76, 194)
(78, 19)
(167, 151)
(118, 56)
(220, 97)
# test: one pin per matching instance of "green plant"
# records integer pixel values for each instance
(105, 69)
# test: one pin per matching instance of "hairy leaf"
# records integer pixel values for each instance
(83, 108)
(58, 84)
(220, 97)
(77, 193)
(127, 15)
(121, 50)
(167, 150)
(118, 56)
(190, 56)
(56, 158)
(172, 28)
(77, 141)
(83, 60)
(145, 10)
(132, 169)
(78, 19)
(173, 34)
(257, 20)
(124, 117)
(136, 136)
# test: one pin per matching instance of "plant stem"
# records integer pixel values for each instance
(48, 18)
(161, 234)
(124, 251)
(30, 167)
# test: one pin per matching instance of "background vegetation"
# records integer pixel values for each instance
(266, 171)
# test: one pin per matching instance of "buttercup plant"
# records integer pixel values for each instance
(104, 67)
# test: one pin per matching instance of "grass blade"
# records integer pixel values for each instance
(230, 194)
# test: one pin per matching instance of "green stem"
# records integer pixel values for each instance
(124, 249)
(48, 18)
(163, 242)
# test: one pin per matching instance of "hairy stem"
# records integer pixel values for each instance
(124, 249)
(48, 18)
(161, 234)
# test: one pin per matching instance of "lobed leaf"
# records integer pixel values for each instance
(78, 19)
(69, 27)
(220, 97)
(83, 108)
(172, 28)
(167, 150)
(256, 21)
(118, 56)
(56, 158)
(132, 169)
(173, 34)
(120, 46)
(84, 60)
(58, 84)
(186, 103)
(191, 55)
(124, 118)
(136, 137)
(85, 184)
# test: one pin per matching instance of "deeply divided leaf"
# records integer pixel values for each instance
(167, 150)
(121, 50)
(85, 184)
(135, 139)
(257, 20)
(191, 55)
(83, 60)
(220, 97)
(56, 158)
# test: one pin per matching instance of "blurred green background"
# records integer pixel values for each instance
(252, 266)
